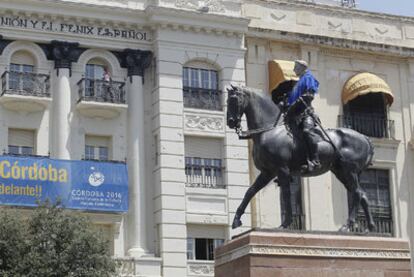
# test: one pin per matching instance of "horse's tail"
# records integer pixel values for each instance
(370, 155)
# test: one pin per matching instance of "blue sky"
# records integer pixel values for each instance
(398, 7)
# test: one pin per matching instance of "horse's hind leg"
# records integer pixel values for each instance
(284, 183)
(351, 182)
(261, 181)
(368, 216)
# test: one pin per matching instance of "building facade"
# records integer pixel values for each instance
(141, 83)
(145, 85)
(364, 62)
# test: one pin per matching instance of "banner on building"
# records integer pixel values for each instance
(85, 185)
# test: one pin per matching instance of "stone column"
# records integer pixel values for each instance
(63, 54)
(136, 61)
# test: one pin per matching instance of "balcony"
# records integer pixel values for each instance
(25, 91)
(203, 173)
(371, 125)
(101, 99)
(199, 98)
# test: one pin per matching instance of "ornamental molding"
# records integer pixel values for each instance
(201, 269)
(209, 5)
(303, 251)
(207, 123)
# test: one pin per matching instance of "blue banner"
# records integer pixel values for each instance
(85, 185)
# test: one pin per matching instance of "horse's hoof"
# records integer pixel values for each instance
(236, 223)
(372, 227)
(344, 229)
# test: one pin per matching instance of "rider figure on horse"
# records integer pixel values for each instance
(300, 109)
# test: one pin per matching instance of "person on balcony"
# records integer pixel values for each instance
(107, 86)
(301, 111)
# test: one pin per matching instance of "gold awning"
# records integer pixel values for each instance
(280, 71)
(364, 83)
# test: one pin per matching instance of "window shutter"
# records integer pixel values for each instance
(206, 231)
(203, 147)
(97, 141)
(19, 137)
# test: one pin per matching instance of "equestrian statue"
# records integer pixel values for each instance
(288, 140)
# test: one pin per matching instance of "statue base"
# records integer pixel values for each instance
(270, 253)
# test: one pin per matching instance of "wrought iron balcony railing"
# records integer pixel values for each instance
(25, 83)
(101, 91)
(199, 98)
(383, 225)
(203, 173)
(369, 125)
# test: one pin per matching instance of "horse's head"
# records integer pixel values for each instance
(235, 107)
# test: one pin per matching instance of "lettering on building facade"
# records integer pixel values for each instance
(72, 28)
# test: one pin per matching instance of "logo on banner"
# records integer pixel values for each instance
(96, 178)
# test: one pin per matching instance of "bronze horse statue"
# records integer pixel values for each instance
(278, 155)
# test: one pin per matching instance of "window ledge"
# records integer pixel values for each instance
(386, 142)
(206, 191)
(204, 111)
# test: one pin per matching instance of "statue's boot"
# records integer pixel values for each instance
(313, 163)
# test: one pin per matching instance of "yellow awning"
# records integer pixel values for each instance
(364, 83)
(280, 71)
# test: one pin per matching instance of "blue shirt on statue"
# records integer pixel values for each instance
(306, 83)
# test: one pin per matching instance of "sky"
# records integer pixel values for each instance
(398, 7)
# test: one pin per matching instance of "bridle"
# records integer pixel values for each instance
(238, 129)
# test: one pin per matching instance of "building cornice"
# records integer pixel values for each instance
(188, 20)
(348, 12)
(331, 42)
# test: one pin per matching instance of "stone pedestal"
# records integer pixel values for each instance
(260, 253)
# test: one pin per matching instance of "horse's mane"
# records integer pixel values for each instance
(269, 111)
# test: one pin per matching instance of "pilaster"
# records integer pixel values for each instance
(169, 173)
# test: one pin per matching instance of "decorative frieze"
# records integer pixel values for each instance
(312, 251)
(200, 268)
(206, 6)
(204, 123)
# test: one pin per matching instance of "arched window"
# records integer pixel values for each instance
(97, 84)
(200, 87)
(22, 67)
(366, 98)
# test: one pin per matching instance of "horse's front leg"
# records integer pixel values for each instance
(261, 181)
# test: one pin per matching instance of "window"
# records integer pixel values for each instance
(298, 217)
(21, 71)
(367, 114)
(202, 248)
(97, 148)
(203, 163)
(375, 182)
(93, 73)
(200, 88)
(21, 142)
